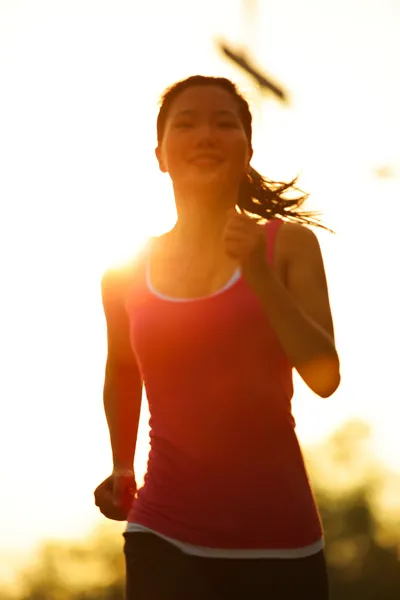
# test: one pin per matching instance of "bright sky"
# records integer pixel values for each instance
(79, 189)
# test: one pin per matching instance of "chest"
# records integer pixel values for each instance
(177, 341)
(188, 277)
(195, 275)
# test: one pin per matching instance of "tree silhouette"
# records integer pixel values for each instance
(87, 570)
(361, 565)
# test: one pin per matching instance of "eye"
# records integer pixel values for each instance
(183, 125)
(227, 124)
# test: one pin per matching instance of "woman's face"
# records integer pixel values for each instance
(204, 143)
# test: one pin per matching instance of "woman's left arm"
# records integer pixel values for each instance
(300, 311)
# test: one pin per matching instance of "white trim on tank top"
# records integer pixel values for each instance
(207, 552)
(235, 277)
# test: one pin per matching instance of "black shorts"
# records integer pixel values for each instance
(157, 570)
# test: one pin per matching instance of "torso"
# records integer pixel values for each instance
(213, 367)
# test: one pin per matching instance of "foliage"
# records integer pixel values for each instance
(362, 547)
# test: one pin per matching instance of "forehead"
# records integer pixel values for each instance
(204, 98)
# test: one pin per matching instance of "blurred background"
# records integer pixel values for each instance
(80, 82)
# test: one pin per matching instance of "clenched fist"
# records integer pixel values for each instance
(115, 495)
(245, 241)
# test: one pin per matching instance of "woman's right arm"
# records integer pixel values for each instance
(123, 384)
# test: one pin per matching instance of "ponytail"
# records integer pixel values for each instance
(268, 200)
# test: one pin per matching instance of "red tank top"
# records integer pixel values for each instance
(225, 469)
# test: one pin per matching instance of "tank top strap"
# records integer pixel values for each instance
(271, 229)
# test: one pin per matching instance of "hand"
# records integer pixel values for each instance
(245, 241)
(115, 495)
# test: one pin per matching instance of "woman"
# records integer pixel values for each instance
(213, 317)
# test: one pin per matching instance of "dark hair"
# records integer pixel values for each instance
(258, 196)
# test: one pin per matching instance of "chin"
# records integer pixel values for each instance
(206, 181)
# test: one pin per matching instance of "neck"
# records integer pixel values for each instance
(202, 217)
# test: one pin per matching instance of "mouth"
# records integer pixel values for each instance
(206, 160)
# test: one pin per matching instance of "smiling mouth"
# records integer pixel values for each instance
(206, 160)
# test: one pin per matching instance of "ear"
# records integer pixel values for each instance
(161, 163)
(250, 154)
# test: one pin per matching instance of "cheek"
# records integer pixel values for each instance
(173, 154)
(239, 154)
(238, 144)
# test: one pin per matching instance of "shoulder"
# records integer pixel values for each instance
(296, 247)
(115, 280)
(294, 240)
(117, 274)
(295, 233)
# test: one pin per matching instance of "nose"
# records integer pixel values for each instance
(206, 135)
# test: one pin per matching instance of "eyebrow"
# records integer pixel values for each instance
(219, 113)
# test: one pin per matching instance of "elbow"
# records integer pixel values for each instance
(322, 375)
(330, 388)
